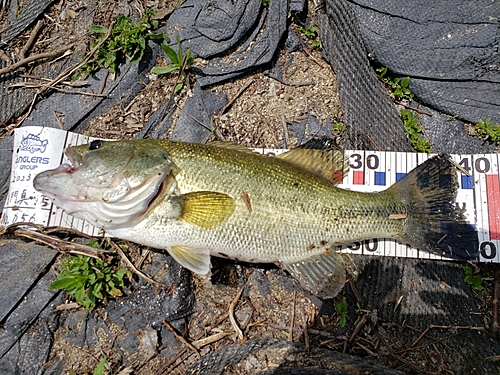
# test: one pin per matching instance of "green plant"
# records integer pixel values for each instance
(89, 280)
(359, 310)
(414, 132)
(341, 309)
(337, 125)
(311, 33)
(178, 61)
(475, 281)
(105, 245)
(399, 87)
(315, 44)
(265, 3)
(308, 31)
(338, 129)
(487, 131)
(99, 370)
(127, 39)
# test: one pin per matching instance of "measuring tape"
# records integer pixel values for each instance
(37, 149)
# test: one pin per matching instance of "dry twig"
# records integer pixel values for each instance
(496, 297)
(56, 243)
(290, 332)
(165, 367)
(359, 325)
(31, 39)
(306, 335)
(61, 77)
(414, 109)
(400, 358)
(232, 319)
(30, 59)
(233, 99)
(181, 338)
(210, 339)
(134, 269)
(56, 88)
(308, 53)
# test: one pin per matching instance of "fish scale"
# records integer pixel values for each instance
(276, 215)
(227, 201)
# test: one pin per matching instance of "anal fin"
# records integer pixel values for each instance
(196, 259)
(323, 275)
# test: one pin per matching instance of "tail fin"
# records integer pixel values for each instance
(435, 224)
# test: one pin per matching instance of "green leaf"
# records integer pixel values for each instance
(128, 39)
(164, 69)
(115, 292)
(343, 321)
(179, 53)
(161, 37)
(405, 82)
(96, 290)
(178, 87)
(93, 243)
(189, 58)
(341, 306)
(382, 71)
(65, 283)
(170, 54)
(99, 370)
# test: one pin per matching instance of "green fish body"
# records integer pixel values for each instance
(223, 200)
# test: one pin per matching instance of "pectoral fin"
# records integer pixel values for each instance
(196, 259)
(323, 274)
(206, 209)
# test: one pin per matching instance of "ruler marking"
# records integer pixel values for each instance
(493, 191)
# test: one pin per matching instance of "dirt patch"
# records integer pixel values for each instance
(261, 107)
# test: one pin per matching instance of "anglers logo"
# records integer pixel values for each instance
(33, 143)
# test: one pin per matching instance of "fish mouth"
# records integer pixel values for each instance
(75, 161)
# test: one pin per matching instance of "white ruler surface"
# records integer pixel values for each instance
(37, 149)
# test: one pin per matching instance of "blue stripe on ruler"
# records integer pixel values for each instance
(380, 178)
(399, 176)
(467, 182)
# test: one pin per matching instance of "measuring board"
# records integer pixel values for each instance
(37, 149)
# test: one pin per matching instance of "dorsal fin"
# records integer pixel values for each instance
(231, 146)
(320, 156)
(320, 143)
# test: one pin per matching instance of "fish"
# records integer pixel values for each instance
(196, 201)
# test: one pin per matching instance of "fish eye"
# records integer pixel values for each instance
(94, 145)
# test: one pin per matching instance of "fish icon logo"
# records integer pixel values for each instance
(33, 143)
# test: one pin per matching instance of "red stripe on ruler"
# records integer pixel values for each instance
(493, 189)
(359, 178)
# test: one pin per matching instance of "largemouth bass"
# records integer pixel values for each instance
(223, 200)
